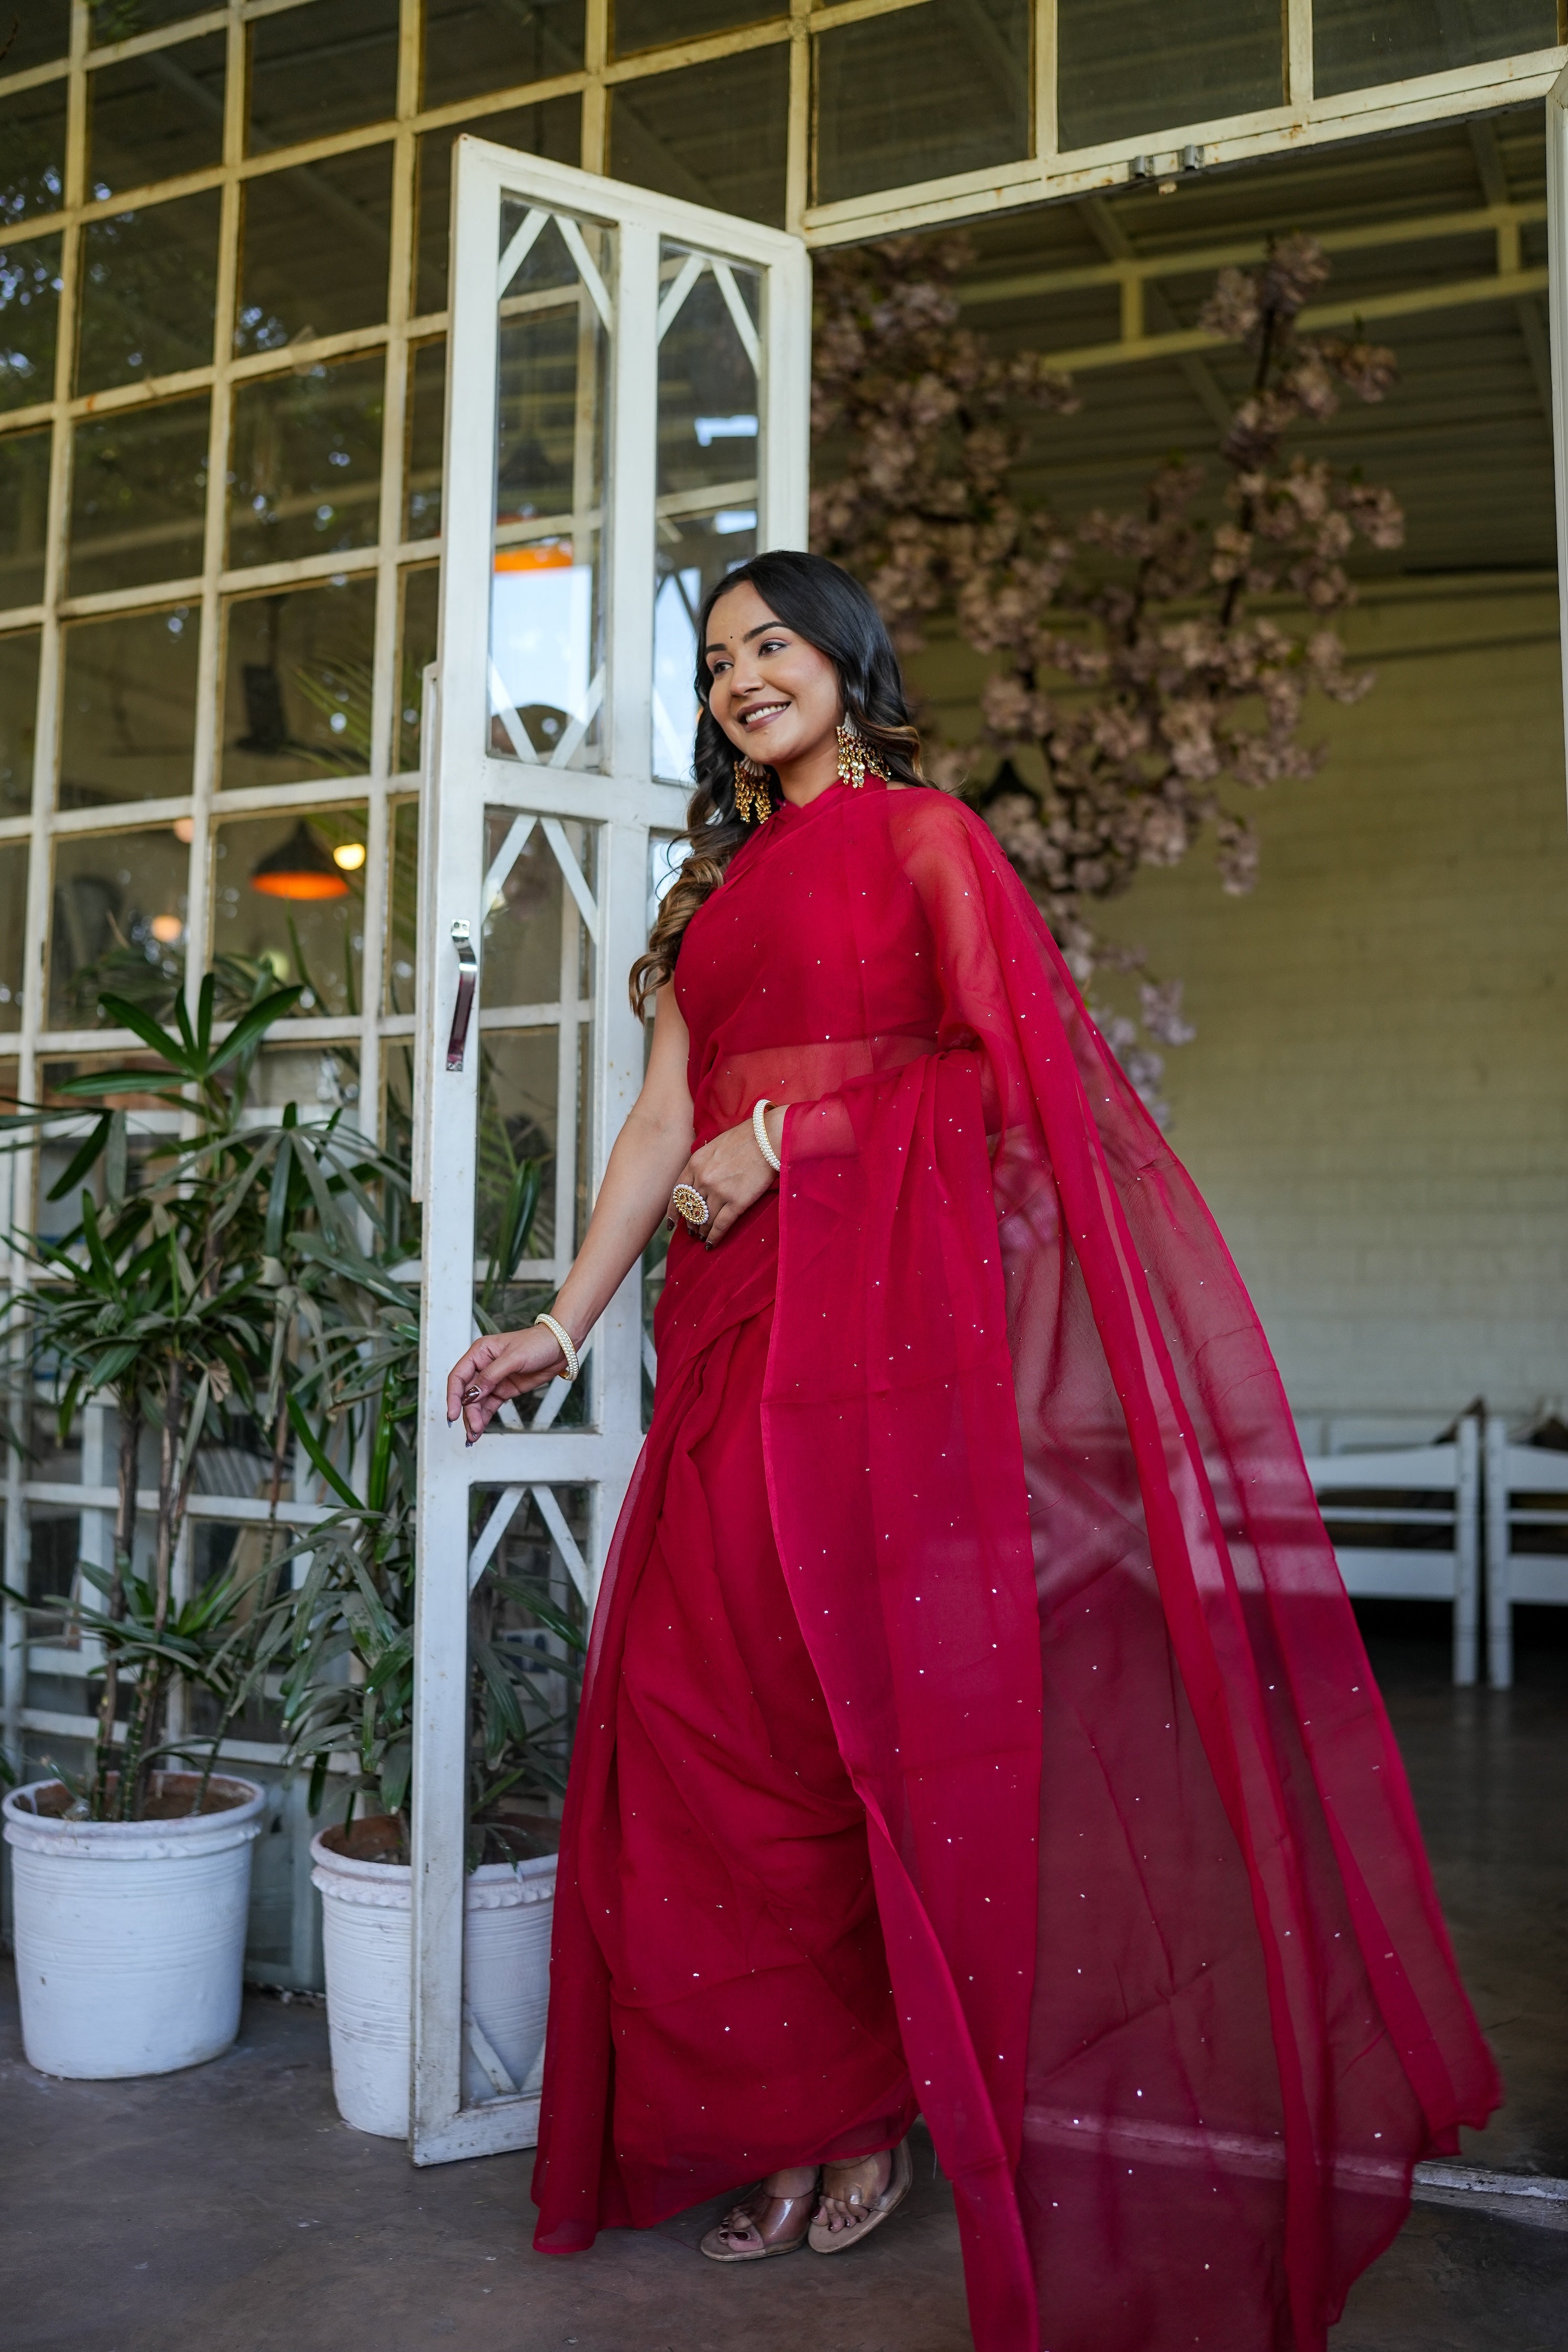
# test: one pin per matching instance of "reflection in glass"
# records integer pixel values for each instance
(1355, 46)
(130, 703)
(30, 289)
(426, 432)
(471, 46)
(18, 720)
(517, 1122)
(653, 24)
(306, 471)
(716, 133)
(402, 904)
(321, 68)
(546, 663)
(552, 130)
(296, 684)
(33, 151)
(709, 356)
(118, 920)
(316, 1078)
(43, 34)
(527, 1636)
(313, 255)
(156, 115)
(1133, 66)
(120, 20)
(287, 894)
(23, 515)
(531, 913)
(139, 483)
(12, 930)
(421, 592)
(943, 88)
(149, 283)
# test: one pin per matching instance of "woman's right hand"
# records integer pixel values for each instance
(503, 1365)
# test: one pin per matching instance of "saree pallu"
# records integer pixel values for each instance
(1171, 1983)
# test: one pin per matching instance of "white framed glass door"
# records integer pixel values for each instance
(627, 418)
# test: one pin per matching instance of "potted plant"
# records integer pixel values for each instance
(171, 1301)
(348, 1700)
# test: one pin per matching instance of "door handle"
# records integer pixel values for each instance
(467, 973)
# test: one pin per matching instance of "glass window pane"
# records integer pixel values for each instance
(315, 1078)
(708, 460)
(23, 515)
(427, 436)
(546, 595)
(314, 255)
(1133, 66)
(921, 94)
(129, 725)
(402, 904)
(121, 20)
(519, 959)
(1357, 44)
(653, 24)
(472, 45)
(118, 920)
(321, 68)
(18, 721)
(33, 151)
(519, 1074)
(553, 130)
(714, 133)
(421, 590)
(296, 684)
(13, 930)
(306, 473)
(288, 894)
(42, 33)
(30, 290)
(153, 116)
(149, 283)
(139, 486)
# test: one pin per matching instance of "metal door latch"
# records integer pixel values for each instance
(467, 973)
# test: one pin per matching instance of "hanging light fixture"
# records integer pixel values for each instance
(300, 869)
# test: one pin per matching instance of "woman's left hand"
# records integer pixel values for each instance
(730, 1174)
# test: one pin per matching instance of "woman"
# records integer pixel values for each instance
(975, 1721)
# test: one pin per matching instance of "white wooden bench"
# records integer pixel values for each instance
(1405, 1523)
(1526, 1493)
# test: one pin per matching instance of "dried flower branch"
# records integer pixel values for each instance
(1128, 672)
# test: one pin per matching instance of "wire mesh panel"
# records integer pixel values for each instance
(564, 485)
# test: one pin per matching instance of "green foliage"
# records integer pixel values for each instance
(242, 1277)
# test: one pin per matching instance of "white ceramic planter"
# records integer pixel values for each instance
(131, 1935)
(366, 1938)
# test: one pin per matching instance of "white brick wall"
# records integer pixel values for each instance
(1376, 1104)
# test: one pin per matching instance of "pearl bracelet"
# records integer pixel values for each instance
(563, 1340)
(759, 1128)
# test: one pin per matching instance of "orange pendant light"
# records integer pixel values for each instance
(301, 868)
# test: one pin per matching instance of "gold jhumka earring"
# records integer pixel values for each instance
(753, 803)
(851, 756)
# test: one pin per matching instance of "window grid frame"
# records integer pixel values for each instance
(1045, 173)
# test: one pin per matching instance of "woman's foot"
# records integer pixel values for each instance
(772, 2219)
(857, 2197)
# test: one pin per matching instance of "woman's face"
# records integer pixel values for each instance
(774, 695)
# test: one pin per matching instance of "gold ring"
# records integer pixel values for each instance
(689, 1202)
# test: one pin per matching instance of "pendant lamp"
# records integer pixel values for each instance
(300, 869)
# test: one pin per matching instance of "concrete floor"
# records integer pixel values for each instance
(227, 2210)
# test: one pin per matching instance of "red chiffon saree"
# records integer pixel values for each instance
(975, 1719)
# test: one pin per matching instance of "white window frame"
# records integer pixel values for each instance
(461, 780)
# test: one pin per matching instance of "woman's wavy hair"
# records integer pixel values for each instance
(822, 603)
